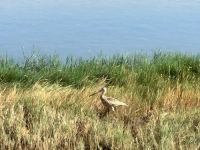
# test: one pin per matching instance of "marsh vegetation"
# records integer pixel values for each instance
(45, 103)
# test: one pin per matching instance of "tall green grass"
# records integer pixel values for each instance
(117, 70)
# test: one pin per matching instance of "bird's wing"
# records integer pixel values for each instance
(115, 102)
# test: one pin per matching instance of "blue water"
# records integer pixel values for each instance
(86, 27)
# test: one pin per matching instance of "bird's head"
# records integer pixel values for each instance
(102, 90)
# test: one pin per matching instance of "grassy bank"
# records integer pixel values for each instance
(45, 104)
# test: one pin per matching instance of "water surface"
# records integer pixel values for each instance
(85, 27)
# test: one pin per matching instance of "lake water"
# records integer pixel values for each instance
(86, 27)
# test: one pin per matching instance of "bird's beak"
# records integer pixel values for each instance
(95, 93)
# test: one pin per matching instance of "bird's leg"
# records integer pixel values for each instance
(107, 111)
(113, 108)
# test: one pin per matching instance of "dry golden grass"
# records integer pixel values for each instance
(53, 117)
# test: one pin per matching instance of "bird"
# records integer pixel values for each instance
(109, 102)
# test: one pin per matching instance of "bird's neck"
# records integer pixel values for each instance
(102, 95)
(103, 98)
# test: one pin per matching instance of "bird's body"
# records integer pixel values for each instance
(109, 102)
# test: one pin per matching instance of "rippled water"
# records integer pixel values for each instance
(85, 27)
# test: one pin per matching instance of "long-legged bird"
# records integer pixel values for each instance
(109, 102)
